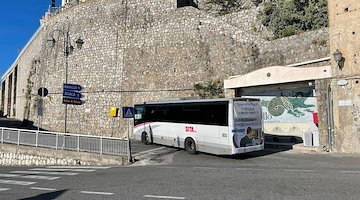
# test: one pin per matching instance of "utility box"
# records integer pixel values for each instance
(308, 139)
(114, 111)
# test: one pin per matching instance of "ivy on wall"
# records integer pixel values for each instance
(211, 89)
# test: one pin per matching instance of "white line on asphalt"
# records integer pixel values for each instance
(167, 167)
(40, 177)
(299, 170)
(4, 189)
(61, 169)
(48, 173)
(9, 175)
(163, 197)
(43, 189)
(212, 168)
(77, 167)
(249, 169)
(350, 171)
(148, 151)
(100, 193)
(29, 176)
(11, 182)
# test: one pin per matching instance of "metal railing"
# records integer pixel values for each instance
(66, 141)
(56, 10)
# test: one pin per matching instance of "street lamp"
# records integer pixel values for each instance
(68, 49)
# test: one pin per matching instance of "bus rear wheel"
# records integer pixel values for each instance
(190, 146)
(145, 138)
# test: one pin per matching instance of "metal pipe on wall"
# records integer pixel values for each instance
(330, 118)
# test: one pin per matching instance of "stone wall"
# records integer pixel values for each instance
(344, 32)
(142, 50)
(14, 155)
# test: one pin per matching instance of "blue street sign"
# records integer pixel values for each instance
(72, 87)
(128, 112)
(72, 94)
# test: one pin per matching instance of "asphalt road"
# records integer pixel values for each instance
(168, 173)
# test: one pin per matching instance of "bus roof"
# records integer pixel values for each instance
(194, 100)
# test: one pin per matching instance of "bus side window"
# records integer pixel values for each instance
(138, 117)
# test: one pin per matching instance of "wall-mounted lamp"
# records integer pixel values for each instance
(79, 43)
(51, 42)
(338, 58)
(68, 47)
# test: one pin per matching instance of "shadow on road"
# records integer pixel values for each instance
(273, 144)
(14, 123)
(50, 195)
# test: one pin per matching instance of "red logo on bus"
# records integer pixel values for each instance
(190, 129)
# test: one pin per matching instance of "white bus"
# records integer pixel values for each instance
(216, 126)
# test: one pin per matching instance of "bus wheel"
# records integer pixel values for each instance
(145, 138)
(190, 146)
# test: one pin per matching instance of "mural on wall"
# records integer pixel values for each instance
(290, 106)
(288, 109)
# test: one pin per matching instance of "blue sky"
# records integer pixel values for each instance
(19, 21)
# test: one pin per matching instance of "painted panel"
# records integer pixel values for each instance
(288, 112)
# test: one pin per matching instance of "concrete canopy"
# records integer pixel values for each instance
(276, 75)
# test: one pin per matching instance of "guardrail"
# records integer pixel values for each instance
(66, 141)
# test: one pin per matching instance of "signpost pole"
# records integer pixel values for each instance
(128, 113)
(129, 143)
(42, 99)
(70, 96)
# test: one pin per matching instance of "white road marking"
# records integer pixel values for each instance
(12, 182)
(48, 173)
(61, 169)
(163, 197)
(299, 170)
(77, 167)
(9, 175)
(148, 151)
(29, 176)
(43, 189)
(212, 168)
(4, 189)
(100, 193)
(350, 171)
(249, 169)
(40, 177)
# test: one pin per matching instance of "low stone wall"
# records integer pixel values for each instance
(14, 155)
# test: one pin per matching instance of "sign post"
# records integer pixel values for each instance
(43, 92)
(128, 113)
(71, 95)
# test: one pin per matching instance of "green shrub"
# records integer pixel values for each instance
(287, 17)
(211, 89)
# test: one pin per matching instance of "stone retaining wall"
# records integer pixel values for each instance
(14, 155)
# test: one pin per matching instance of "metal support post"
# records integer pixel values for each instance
(57, 141)
(129, 144)
(101, 150)
(18, 139)
(78, 143)
(37, 139)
